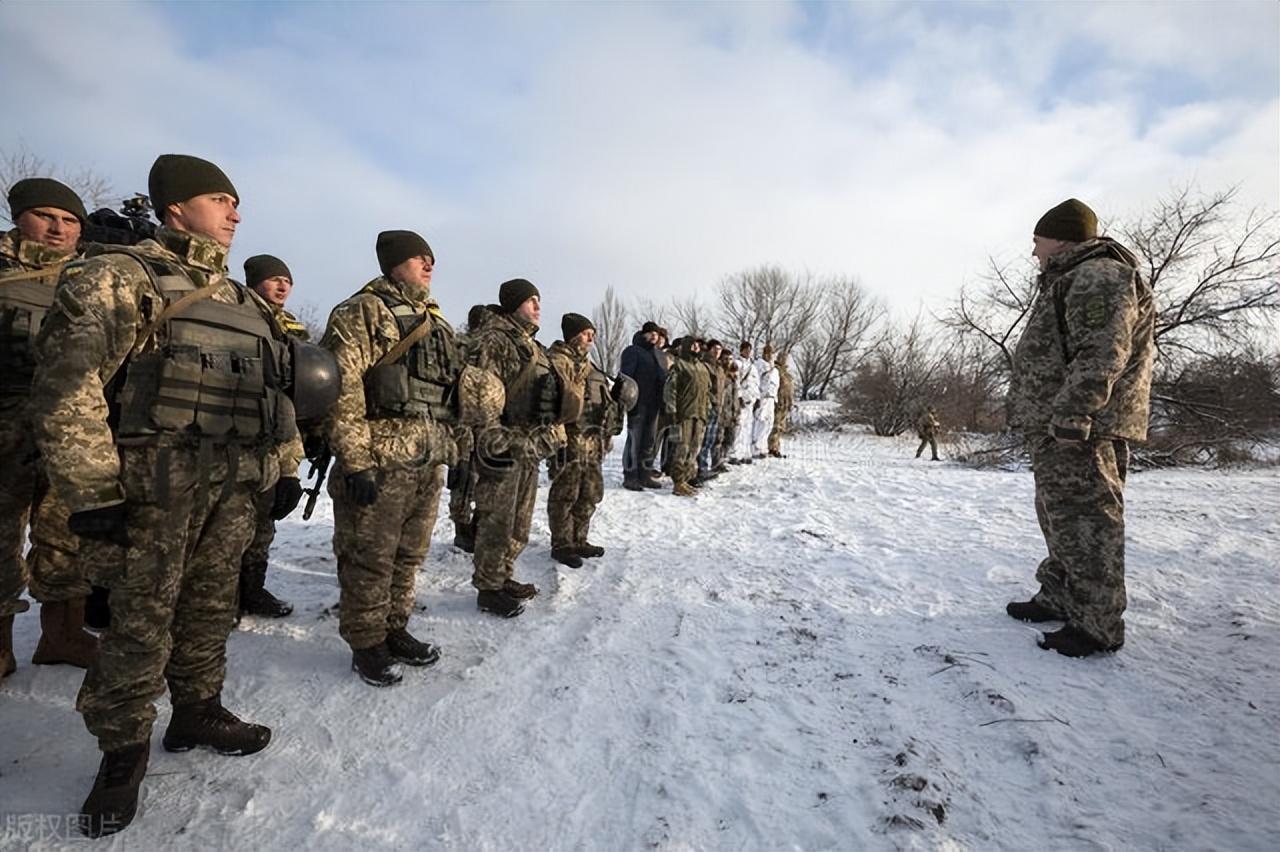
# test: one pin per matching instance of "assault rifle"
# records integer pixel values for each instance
(320, 463)
(127, 227)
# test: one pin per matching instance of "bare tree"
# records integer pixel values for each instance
(93, 188)
(768, 305)
(896, 380)
(847, 317)
(995, 307)
(647, 310)
(610, 320)
(308, 313)
(691, 316)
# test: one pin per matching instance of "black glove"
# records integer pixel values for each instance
(314, 446)
(108, 523)
(363, 486)
(288, 493)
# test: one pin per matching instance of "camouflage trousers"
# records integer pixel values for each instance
(686, 438)
(577, 487)
(380, 549)
(264, 531)
(779, 429)
(927, 441)
(504, 513)
(51, 567)
(173, 590)
(1080, 506)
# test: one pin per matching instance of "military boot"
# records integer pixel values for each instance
(683, 489)
(97, 608)
(587, 550)
(1073, 642)
(498, 603)
(8, 662)
(566, 556)
(1031, 611)
(254, 597)
(652, 481)
(404, 648)
(519, 591)
(63, 638)
(113, 801)
(375, 666)
(207, 723)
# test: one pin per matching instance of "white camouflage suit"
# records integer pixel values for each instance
(769, 380)
(748, 393)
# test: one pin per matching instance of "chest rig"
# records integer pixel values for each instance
(420, 383)
(213, 370)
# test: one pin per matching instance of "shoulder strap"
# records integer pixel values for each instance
(51, 271)
(395, 353)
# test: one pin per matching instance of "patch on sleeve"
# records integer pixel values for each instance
(1095, 312)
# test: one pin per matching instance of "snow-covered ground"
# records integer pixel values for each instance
(812, 653)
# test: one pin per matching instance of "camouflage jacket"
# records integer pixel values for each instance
(786, 389)
(688, 390)
(926, 425)
(1082, 367)
(17, 326)
(289, 325)
(101, 307)
(361, 330)
(586, 439)
(503, 347)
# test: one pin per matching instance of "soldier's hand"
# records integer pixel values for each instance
(288, 493)
(363, 487)
(108, 523)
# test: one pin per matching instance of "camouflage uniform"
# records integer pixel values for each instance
(1083, 373)
(464, 472)
(381, 546)
(927, 429)
(185, 463)
(710, 429)
(686, 396)
(782, 408)
(51, 567)
(264, 532)
(508, 455)
(577, 475)
(728, 415)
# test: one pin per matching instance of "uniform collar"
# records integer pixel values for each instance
(30, 253)
(194, 249)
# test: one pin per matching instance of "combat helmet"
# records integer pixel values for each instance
(625, 392)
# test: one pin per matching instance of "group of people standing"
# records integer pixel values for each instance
(700, 409)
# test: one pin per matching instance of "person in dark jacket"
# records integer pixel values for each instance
(641, 364)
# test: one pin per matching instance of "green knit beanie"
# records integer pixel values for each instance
(514, 293)
(1071, 221)
(260, 267)
(175, 178)
(44, 192)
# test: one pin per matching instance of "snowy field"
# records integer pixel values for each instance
(811, 654)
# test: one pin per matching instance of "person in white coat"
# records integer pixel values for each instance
(769, 381)
(748, 393)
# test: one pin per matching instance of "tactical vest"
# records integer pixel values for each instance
(25, 299)
(421, 383)
(598, 407)
(217, 372)
(533, 396)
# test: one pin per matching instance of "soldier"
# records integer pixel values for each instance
(763, 423)
(927, 428)
(577, 475)
(510, 454)
(1081, 392)
(711, 432)
(462, 474)
(47, 216)
(728, 412)
(391, 434)
(782, 408)
(160, 412)
(686, 397)
(271, 279)
(748, 395)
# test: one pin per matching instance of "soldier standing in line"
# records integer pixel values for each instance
(577, 475)
(748, 395)
(762, 424)
(1081, 392)
(927, 428)
(782, 408)
(391, 435)
(271, 279)
(160, 412)
(509, 454)
(462, 474)
(711, 432)
(47, 217)
(728, 412)
(686, 398)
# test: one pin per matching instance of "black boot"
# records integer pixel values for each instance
(375, 666)
(519, 591)
(632, 485)
(207, 723)
(566, 556)
(498, 603)
(1073, 642)
(404, 648)
(97, 608)
(587, 550)
(1031, 611)
(254, 597)
(113, 801)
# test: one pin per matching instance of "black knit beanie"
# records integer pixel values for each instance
(260, 267)
(44, 192)
(1071, 221)
(176, 177)
(395, 247)
(648, 327)
(571, 325)
(514, 293)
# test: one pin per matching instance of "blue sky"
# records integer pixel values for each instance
(655, 147)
